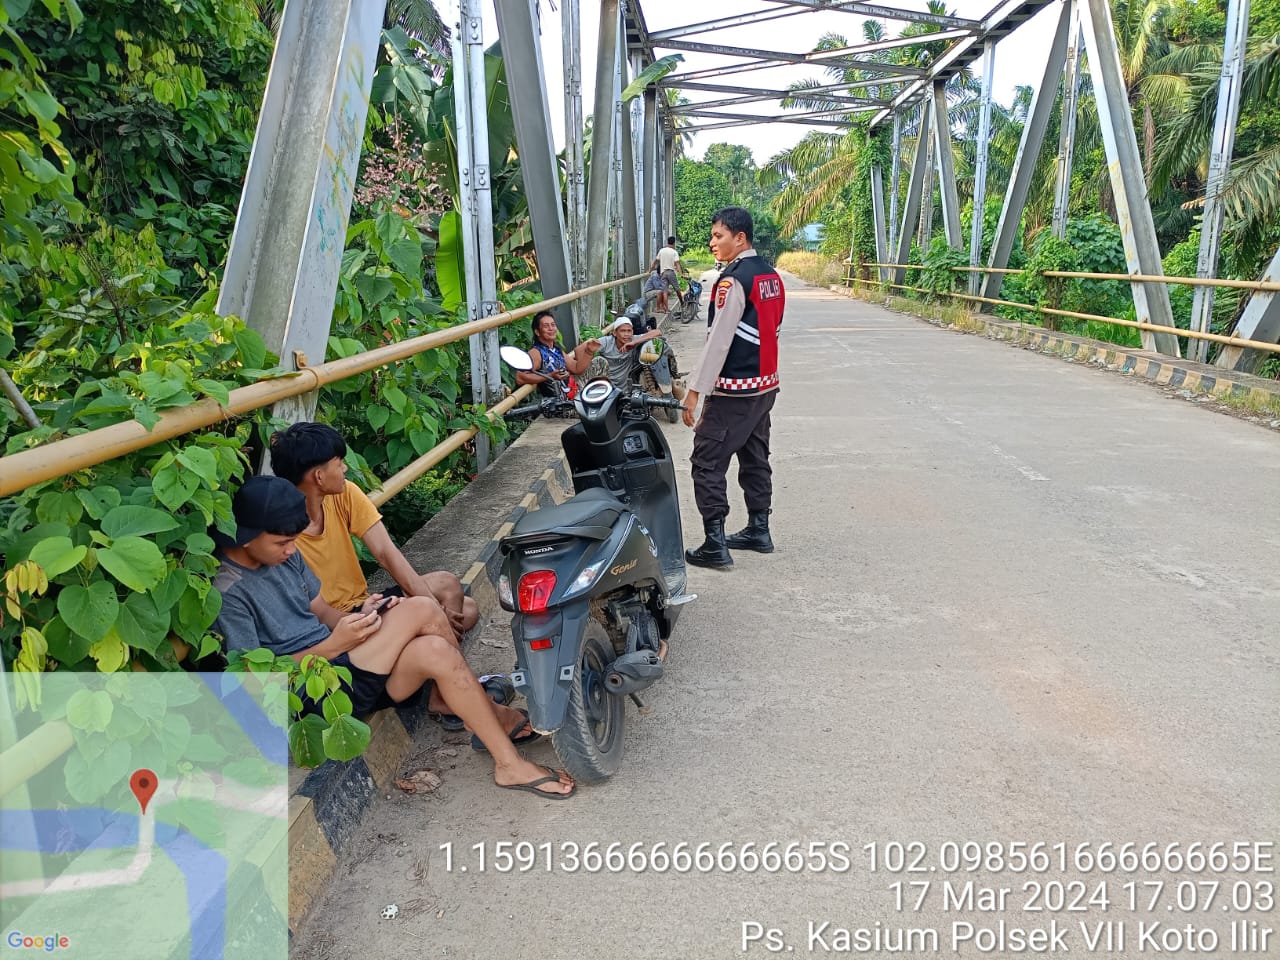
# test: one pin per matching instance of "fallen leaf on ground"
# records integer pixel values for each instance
(420, 781)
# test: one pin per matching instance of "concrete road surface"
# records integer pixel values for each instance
(1019, 609)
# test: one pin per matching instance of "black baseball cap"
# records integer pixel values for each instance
(265, 504)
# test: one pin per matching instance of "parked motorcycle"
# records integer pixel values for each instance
(596, 584)
(689, 303)
(656, 371)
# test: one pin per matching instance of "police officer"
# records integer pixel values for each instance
(737, 380)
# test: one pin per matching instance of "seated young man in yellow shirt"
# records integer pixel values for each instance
(309, 455)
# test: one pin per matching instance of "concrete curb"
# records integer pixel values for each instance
(1238, 390)
(326, 808)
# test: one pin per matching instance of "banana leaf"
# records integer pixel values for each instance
(650, 74)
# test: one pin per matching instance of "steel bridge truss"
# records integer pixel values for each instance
(609, 219)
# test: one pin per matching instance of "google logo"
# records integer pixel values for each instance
(48, 943)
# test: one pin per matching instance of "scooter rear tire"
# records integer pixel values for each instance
(589, 743)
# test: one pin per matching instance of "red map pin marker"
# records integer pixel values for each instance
(143, 784)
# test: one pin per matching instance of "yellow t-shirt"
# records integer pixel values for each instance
(332, 556)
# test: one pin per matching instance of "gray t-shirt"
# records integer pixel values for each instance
(268, 607)
(620, 362)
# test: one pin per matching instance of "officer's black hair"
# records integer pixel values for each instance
(671, 241)
(302, 446)
(735, 220)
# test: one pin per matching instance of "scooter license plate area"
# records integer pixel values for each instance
(531, 628)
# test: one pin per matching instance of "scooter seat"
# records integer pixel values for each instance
(590, 514)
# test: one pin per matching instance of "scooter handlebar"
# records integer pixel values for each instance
(638, 397)
(550, 405)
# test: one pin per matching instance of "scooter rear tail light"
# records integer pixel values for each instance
(535, 590)
(543, 644)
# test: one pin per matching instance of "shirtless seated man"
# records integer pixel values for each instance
(270, 598)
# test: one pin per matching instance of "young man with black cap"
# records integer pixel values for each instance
(270, 598)
(310, 456)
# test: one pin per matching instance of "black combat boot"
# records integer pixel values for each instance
(713, 552)
(755, 535)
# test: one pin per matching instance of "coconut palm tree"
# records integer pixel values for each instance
(1252, 193)
(816, 171)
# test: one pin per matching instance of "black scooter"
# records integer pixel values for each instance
(596, 583)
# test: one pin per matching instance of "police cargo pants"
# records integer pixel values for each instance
(729, 426)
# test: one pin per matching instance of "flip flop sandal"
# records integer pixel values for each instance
(478, 745)
(532, 786)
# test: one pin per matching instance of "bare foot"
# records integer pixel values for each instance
(509, 717)
(436, 704)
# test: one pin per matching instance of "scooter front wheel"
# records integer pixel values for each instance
(649, 384)
(589, 743)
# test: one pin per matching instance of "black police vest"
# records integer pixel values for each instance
(751, 365)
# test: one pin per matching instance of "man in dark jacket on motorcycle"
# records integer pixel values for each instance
(737, 380)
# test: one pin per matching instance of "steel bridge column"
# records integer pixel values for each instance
(946, 166)
(1015, 198)
(630, 208)
(1150, 300)
(575, 177)
(877, 213)
(668, 229)
(1260, 321)
(522, 57)
(914, 189)
(649, 241)
(926, 194)
(980, 167)
(601, 172)
(895, 179)
(1224, 140)
(617, 256)
(1067, 133)
(291, 226)
(471, 109)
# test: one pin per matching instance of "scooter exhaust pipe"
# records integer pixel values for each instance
(633, 672)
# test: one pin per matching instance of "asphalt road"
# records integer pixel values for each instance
(1015, 601)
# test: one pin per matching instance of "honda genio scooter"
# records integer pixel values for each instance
(596, 583)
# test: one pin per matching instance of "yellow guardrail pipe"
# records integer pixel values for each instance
(1136, 324)
(61, 457)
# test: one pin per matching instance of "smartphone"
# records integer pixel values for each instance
(382, 604)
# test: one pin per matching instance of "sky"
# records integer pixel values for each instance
(1019, 58)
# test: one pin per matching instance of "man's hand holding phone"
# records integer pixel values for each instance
(377, 603)
(355, 628)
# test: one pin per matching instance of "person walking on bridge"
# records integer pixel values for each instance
(737, 381)
(666, 263)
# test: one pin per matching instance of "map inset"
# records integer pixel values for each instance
(145, 816)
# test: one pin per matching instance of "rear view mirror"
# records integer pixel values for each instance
(516, 358)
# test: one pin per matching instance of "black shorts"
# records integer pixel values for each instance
(368, 691)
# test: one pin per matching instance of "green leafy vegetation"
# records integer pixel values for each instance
(126, 133)
(1171, 57)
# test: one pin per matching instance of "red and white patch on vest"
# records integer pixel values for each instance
(722, 293)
